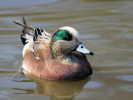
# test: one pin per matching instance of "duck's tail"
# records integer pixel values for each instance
(30, 34)
(27, 32)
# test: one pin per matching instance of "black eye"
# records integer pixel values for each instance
(81, 46)
(68, 37)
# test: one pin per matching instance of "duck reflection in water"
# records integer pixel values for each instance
(58, 90)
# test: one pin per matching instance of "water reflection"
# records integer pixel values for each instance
(58, 90)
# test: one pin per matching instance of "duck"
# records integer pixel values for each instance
(59, 56)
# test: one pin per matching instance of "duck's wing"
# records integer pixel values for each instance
(42, 35)
(33, 39)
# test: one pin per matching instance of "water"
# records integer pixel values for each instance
(106, 28)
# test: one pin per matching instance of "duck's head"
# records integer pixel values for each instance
(66, 40)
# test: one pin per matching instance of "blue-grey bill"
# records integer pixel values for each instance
(81, 48)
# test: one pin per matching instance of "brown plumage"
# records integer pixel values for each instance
(54, 57)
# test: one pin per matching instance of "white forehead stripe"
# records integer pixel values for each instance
(71, 30)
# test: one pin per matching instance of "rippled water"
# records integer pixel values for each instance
(106, 28)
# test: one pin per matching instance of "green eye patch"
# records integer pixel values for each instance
(61, 34)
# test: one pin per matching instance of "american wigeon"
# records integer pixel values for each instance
(60, 56)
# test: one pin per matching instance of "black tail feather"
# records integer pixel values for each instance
(25, 31)
(23, 39)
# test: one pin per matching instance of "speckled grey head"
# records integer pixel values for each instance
(64, 41)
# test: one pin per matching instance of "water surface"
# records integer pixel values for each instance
(106, 28)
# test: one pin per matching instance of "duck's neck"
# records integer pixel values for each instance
(67, 59)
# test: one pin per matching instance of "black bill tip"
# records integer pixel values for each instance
(91, 53)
